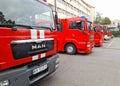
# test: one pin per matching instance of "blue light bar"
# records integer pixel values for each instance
(83, 17)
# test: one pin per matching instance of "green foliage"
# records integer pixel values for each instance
(116, 33)
(101, 20)
(5, 21)
(106, 21)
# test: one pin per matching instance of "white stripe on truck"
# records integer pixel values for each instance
(35, 57)
(43, 55)
(35, 36)
(42, 34)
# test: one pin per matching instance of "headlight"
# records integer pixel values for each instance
(88, 44)
(57, 63)
(101, 41)
(4, 83)
(57, 60)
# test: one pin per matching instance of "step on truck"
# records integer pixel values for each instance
(98, 35)
(28, 46)
(76, 35)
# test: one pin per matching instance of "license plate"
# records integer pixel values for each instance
(39, 69)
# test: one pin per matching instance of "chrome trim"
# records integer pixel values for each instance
(30, 40)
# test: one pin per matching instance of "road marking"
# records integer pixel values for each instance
(110, 44)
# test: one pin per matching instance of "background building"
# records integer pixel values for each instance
(72, 8)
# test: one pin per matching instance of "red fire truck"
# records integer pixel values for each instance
(28, 46)
(98, 35)
(76, 36)
(107, 34)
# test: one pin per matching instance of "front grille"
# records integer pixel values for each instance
(22, 49)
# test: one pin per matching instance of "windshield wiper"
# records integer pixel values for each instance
(15, 26)
(44, 27)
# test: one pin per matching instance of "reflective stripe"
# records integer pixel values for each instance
(33, 34)
(35, 40)
(43, 55)
(35, 57)
(42, 34)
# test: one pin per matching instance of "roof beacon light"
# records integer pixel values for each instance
(83, 17)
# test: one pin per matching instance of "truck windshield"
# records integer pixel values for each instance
(90, 26)
(26, 12)
(101, 28)
(80, 25)
(95, 29)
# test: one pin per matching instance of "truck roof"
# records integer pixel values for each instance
(74, 19)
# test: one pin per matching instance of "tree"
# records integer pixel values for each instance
(101, 20)
(106, 21)
(98, 18)
(4, 21)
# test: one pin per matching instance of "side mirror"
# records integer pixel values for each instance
(85, 32)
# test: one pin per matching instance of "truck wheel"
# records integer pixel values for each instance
(70, 49)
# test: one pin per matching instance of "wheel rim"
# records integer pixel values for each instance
(70, 49)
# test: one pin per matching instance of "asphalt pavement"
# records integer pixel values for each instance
(99, 68)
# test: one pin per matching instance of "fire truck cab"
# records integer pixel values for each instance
(107, 34)
(98, 35)
(28, 46)
(75, 36)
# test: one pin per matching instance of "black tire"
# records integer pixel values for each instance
(70, 49)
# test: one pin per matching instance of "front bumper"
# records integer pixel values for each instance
(23, 75)
(98, 42)
(87, 48)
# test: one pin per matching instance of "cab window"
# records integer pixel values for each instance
(77, 25)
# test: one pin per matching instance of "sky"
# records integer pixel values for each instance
(108, 8)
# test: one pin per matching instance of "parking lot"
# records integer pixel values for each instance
(99, 68)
